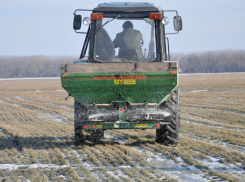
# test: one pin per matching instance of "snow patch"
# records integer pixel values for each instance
(139, 149)
(21, 98)
(66, 107)
(120, 173)
(57, 118)
(227, 145)
(199, 117)
(5, 167)
(212, 126)
(60, 140)
(64, 177)
(214, 163)
(235, 112)
(112, 173)
(221, 98)
(193, 122)
(116, 139)
(199, 91)
(80, 157)
(171, 168)
(54, 117)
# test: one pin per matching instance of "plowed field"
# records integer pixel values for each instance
(36, 136)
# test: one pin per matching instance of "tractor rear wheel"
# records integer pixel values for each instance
(169, 134)
(79, 117)
(96, 135)
(79, 137)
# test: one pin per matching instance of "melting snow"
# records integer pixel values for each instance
(214, 164)
(66, 107)
(16, 166)
(60, 140)
(221, 97)
(235, 112)
(21, 98)
(212, 126)
(202, 118)
(171, 168)
(119, 140)
(64, 177)
(193, 122)
(57, 118)
(199, 91)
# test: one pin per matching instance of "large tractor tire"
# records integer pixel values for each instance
(80, 118)
(96, 135)
(169, 134)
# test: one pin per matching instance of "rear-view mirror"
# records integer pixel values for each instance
(177, 23)
(77, 22)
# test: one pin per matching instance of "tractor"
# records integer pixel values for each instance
(124, 78)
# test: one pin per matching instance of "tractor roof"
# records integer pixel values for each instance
(127, 7)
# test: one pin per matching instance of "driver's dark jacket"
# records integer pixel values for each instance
(129, 38)
(104, 49)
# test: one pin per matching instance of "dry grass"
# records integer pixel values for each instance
(36, 132)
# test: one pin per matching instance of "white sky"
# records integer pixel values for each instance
(44, 27)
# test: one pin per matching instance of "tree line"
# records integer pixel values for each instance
(211, 61)
(197, 62)
(32, 66)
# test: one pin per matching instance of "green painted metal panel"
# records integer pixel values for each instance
(86, 90)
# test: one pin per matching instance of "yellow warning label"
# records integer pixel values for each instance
(98, 126)
(141, 125)
(125, 82)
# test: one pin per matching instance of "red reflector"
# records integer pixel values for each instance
(85, 126)
(64, 74)
(95, 16)
(157, 125)
(92, 126)
(173, 72)
(155, 16)
(121, 109)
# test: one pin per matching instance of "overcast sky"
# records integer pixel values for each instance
(44, 27)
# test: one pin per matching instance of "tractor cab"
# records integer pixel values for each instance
(126, 32)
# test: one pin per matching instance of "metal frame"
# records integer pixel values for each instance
(177, 15)
(168, 56)
(81, 22)
(123, 125)
(85, 44)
